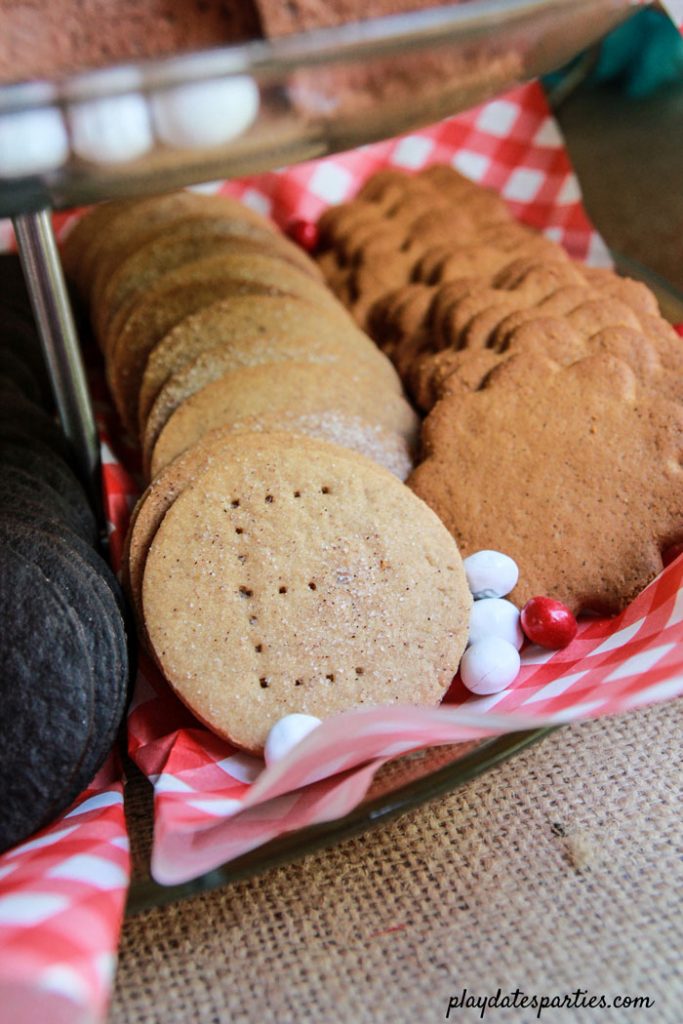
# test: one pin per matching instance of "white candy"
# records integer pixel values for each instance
(205, 113)
(489, 666)
(285, 735)
(32, 142)
(495, 616)
(490, 574)
(111, 130)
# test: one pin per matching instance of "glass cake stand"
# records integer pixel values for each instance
(226, 112)
(232, 111)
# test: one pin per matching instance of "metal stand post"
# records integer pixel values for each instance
(52, 310)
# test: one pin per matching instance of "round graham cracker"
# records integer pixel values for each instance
(216, 446)
(286, 388)
(294, 579)
(182, 243)
(227, 321)
(144, 219)
(186, 290)
(365, 366)
(80, 237)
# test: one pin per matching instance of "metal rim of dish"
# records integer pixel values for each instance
(146, 894)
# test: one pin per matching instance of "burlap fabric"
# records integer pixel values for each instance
(560, 870)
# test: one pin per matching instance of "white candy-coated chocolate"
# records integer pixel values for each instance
(490, 574)
(32, 142)
(494, 616)
(205, 114)
(489, 666)
(112, 130)
(285, 735)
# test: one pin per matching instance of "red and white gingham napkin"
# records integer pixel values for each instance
(213, 803)
(62, 895)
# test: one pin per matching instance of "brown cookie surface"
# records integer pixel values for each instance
(266, 320)
(182, 243)
(279, 582)
(350, 433)
(367, 367)
(574, 472)
(187, 290)
(142, 220)
(301, 388)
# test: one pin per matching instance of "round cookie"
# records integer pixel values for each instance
(87, 594)
(385, 449)
(78, 239)
(129, 233)
(21, 418)
(281, 581)
(30, 513)
(106, 234)
(46, 690)
(26, 486)
(301, 388)
(160, 494)
(18, 338)
(19, 371)
(182, 292)
(228, 321)
(36, 459)
(13, 292)
(184, 243)
(365, 366)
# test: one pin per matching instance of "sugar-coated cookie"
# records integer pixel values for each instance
(292, 579)
(184, 291)
(301, 388)
(262, 319)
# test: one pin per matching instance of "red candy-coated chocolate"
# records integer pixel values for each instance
(304, 233)
(548, 623)
(671, 554)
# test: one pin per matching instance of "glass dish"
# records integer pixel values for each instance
(236, 110)
(398, 787)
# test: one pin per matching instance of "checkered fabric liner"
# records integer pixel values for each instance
(62, 893)
(213, 803)
(62, 896)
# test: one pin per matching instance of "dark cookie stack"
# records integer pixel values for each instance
(63, 641)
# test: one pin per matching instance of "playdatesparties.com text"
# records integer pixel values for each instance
(579, 999)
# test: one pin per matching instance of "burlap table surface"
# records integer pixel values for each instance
(561, 869)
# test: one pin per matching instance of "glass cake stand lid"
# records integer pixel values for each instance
(236, 110)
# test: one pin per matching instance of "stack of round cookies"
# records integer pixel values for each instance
(276, 561)
(63, 641)
(209, 318)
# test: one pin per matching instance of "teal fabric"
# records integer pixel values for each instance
(639, 57)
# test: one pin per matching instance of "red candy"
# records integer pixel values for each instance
(304, 233)
(671, 554)
(548, 623)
